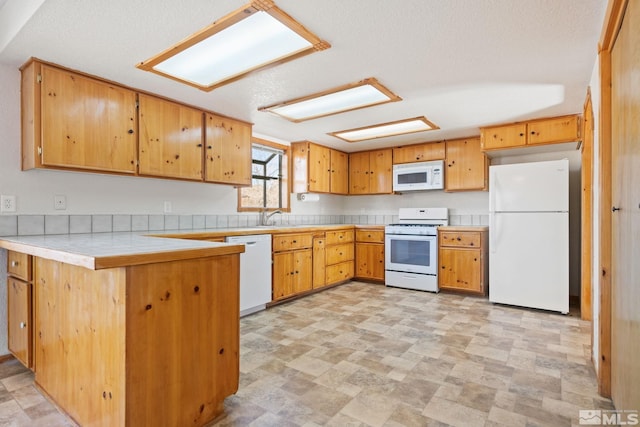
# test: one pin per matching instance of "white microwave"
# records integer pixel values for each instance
(419, 176)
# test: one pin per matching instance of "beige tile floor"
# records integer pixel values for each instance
(366, 355)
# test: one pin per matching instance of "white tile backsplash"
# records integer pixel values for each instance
(156, 222)
(171, 222)
(56, 224)
(101, 223)
(8, 225)
(30, 225)
(121, 222)
(140, 222)
(79, 224)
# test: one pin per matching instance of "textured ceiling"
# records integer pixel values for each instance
(461, 63)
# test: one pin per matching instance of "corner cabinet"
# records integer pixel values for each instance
(20, 307)
(227, 151)
(554, 130)
(467, 166)
(319, 169)
(171, 137)
(370, 253)
(71, 121)
(370, 172)
(463, 259)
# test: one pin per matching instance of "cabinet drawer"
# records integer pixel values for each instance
(467, 239)
(287, 242)
(339, 253)
(19, 265)
(341, 236)
(370, 236)
(340, 272)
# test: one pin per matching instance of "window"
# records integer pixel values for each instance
(269, 185)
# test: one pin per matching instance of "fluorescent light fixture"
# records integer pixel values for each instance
(254, 37)
(365, 93)
(400, 127)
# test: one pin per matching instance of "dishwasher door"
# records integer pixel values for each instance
(255, 272)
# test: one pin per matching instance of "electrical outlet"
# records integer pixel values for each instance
(167, 207)
(60, 202)
(7, 203)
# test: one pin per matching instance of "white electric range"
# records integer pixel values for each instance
(411, 248)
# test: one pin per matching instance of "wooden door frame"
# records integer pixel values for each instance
(587, 210)
(611, 27)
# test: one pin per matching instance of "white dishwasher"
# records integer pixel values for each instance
(255, 272)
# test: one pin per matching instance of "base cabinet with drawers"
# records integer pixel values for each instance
(339, 256)
(20, 307)
(370, 253)
(292, 264)
(463, 259)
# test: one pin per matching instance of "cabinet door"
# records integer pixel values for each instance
(318, 262)
(460, 269)
(419, 153)
(339, 272)
(359, 173)
(282, 275)
(319, 168)
(227, 151)
(86, 123)
(19, 317)
(467, 166)
(170, 139)
(380, 171)
(302, 271)
(339, 172)
(560, 129)
(504, 136)
(370, 261)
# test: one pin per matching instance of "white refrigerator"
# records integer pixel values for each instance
(529, 235)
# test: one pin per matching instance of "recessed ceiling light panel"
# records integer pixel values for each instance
(253, 37)
(365, 93)
(400, 127)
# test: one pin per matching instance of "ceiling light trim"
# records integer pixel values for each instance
(428, 125)
(315, 44)
(371, 81)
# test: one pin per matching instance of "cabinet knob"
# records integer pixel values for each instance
(209, 147)
(295, 241)
(23, 325)
(130, 131)
(614, 209)
(14, 263)
(199, 145)
(458, 239)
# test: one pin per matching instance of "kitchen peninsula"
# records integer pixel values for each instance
(128, 329)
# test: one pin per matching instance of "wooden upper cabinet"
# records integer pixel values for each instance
(359, 173)
(170, 139)
(419, 152)
(370, 172)
(560, 129)
(504, 136)
(467, 167)
(339, 181)
(227, 150)
(318, 169)
(535, 132)
(74, 121)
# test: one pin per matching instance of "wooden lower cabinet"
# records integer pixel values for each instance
(19, 320)
(153, 344)
(292, 273)
(292, 264)
(462, 259)
(370, 254)
(339, 247)
(20, 307)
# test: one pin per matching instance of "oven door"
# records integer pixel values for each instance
(411, 254)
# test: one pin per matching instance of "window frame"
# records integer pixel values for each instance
(286, 179)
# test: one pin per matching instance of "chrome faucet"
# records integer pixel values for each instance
(264, 218)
